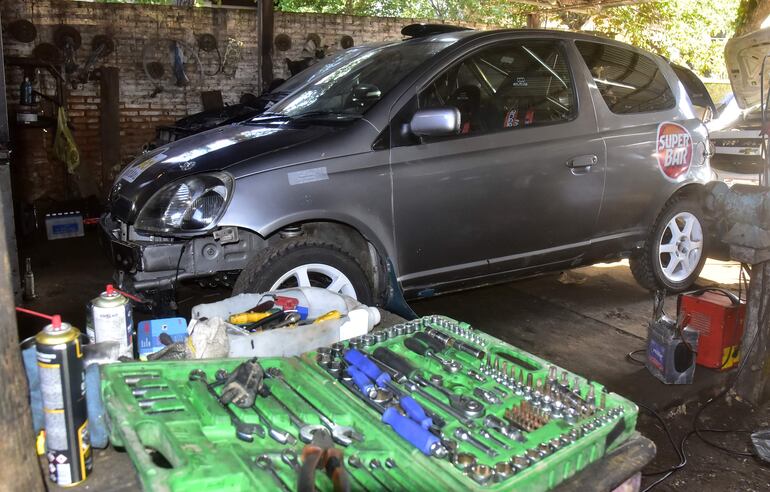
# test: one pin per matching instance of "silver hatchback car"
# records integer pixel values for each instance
(449, 160)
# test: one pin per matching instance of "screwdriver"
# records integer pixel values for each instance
(413, 409)
(408, 429)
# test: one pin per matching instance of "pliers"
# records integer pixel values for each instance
(320, 453)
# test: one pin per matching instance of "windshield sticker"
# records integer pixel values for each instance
(308, 176)
(133, 172)
(674, 150)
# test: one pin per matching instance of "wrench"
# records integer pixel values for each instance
(468, 406)
(265, 463)
(342, 435)
(412, 387)
(289, 457)
(305, 430)
(355, 462)
(466, 436)
(279, 435)
(243, 431)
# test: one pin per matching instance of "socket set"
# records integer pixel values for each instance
(503, 417)
(429, 404)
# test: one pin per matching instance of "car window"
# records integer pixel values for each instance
(355, 84)
(510, 85)
(629, 82)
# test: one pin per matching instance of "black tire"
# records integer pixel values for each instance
(646, 263)
(269, 265)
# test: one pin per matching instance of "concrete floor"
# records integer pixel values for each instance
(585, 320)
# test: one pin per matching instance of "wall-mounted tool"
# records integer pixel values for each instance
(68, 40)
(22, 30)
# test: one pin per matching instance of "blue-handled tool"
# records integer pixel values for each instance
(412, 432)
(362, 362)
(362, 381)
(383, 379)
(415, 411)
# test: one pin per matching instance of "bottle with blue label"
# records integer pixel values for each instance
(25, 97)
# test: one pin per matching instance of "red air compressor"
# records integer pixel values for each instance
(718, 317)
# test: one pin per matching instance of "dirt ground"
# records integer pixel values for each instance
(585, 320)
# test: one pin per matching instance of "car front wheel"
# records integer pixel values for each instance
(305, 263)
(674, 254)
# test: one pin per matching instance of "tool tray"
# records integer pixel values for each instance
(180, 438)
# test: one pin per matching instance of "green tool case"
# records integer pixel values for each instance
(180, 438)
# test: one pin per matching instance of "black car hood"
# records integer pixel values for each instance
(213, 150)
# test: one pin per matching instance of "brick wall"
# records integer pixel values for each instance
(331, 28)
(136, 29)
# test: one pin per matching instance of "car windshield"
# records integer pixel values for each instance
(354, 85)
(323, 67)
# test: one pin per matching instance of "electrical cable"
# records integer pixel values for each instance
(761, 322)
(630, 356)
(700, 431)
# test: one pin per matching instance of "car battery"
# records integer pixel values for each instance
(717, 316)
(670, 351)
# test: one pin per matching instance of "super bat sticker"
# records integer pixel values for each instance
(674, 150)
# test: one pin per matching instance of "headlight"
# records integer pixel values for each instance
(192, 204)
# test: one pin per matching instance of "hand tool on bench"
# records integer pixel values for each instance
(468, 406)
(320, 453)
(455, 343)
(356, 462)
(265, 463)
(421, 347)
(243, 431)
(410, 430)
(341, 434)
(384, 379)
(464, 435)
(242, 387)
(305, 430)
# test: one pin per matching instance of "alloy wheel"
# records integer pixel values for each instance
(680, 247)
(316, 275)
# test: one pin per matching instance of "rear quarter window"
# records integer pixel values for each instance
(628, 81)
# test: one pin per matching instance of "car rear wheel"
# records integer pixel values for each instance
(305, 263)
(674, 254)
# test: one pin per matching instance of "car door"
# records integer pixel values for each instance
(519, 186)
(641, 108)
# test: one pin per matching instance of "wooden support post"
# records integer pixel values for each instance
(109, 122)
(534, 21)
(753, 383)
(266, 42)
(18, 460)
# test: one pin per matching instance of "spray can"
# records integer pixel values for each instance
(62, 384)
(29, 281)
(110, 320)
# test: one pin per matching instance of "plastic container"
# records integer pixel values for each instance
(357, 320)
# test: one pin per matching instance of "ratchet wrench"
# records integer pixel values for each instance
(468, 406)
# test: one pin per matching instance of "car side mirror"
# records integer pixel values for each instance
(365, 94)
(436, 122)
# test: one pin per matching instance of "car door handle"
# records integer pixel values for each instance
(586, 160)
